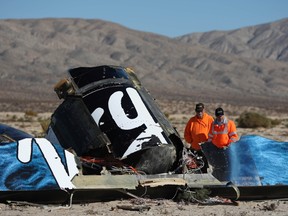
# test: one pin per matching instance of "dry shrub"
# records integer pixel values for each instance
(30, 113)
(45, 124)
(255, 120)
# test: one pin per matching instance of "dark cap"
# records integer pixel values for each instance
(199, 107)
(219, 112)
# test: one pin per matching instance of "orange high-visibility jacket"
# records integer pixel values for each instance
(196, 130)
(222, 134)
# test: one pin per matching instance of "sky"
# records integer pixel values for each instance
(170, 18)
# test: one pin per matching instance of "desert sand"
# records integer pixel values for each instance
(142, 206)
(149, 207)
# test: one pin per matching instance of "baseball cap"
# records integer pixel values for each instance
(219, 112)
(199, 107)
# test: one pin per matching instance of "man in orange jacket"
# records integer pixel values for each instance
(223, 131)
(196, 131)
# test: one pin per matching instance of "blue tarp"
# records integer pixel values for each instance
(252, 161)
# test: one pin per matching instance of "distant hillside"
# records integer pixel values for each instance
(244, 66)
(268, 41)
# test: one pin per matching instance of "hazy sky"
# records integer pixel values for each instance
(166, 17)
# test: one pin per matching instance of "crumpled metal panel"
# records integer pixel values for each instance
(115, 105)
(12, 134)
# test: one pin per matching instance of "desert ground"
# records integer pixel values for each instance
(178, 113)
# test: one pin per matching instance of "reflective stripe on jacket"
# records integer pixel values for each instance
(223, 133)
(196, 130)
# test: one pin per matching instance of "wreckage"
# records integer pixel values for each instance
(108, 140)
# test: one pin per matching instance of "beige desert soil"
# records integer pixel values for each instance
(149, 207)
(178, 113)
